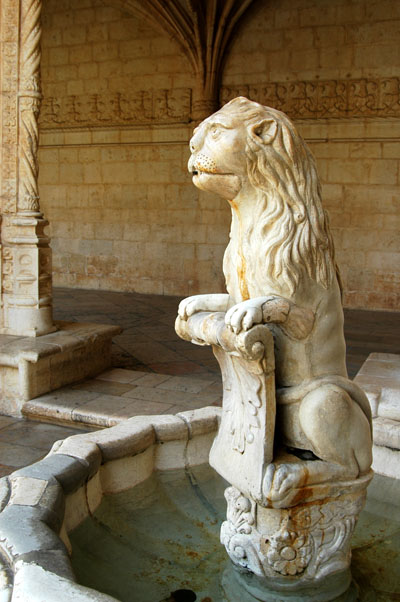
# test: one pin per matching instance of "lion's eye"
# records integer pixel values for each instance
(215, 131)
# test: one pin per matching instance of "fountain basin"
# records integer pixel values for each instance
(42, 503)
(138, 511)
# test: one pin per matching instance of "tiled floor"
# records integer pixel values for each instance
(149, 342)
(153, 370)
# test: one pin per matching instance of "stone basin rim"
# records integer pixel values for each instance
(41, 503)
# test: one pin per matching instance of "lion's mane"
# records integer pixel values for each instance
(289, 219)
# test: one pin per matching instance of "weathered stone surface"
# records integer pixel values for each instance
(32, 580)
(68, 471)
(38, 495)
(23, 530)
(201, 421)
(169, 428)
(79, 447)
(5, 492)
(387, 432)
(386, 461)
(54, 561)
(128, 438)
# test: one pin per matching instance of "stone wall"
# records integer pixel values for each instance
(117, 98)
(114, 183)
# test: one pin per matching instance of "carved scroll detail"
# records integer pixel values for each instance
(29, 105)
(326, 98)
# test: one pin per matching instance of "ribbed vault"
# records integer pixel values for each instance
(203, 29)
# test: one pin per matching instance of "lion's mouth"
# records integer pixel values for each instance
(201, 172)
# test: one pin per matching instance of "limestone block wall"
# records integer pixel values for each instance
(124, 214)
(115, 127)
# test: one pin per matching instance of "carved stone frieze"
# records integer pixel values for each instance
(142, 107)
(336, 99)
(364, 97)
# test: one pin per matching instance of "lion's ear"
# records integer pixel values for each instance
(264, 131)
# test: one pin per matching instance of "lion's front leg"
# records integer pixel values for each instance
(259, 310)
(196, 303)
(296, 321)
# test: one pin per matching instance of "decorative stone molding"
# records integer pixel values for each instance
(366, 97)
(142, 107)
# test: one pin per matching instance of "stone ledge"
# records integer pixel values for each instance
(30, 367)
(379, 377)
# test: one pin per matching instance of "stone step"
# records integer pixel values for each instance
(379, 377)
(118, 394)
(32, 366)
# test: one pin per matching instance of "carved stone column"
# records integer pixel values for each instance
(25, 253)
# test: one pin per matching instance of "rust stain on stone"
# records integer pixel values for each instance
(241, 267)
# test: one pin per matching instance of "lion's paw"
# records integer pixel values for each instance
(191, 305)
(244, 315)
(279, 479)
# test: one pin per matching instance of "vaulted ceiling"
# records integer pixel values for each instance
(204, 30)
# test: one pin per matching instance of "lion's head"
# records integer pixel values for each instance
(248, 150)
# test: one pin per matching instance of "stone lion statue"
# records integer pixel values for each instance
(280, 270)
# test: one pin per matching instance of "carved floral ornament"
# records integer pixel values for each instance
(307, 540)
(335, 99)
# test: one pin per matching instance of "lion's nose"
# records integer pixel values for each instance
(196, 141)
(191, 164)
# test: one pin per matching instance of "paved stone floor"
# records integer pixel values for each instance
(153, 372)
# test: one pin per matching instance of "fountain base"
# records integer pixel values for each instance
(241, 586)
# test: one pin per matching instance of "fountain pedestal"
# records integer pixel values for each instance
(292, 546)
(296, 553)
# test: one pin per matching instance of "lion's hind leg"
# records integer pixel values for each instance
(337, 429)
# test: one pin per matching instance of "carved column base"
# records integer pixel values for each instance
(26, 276)
(297, 553)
